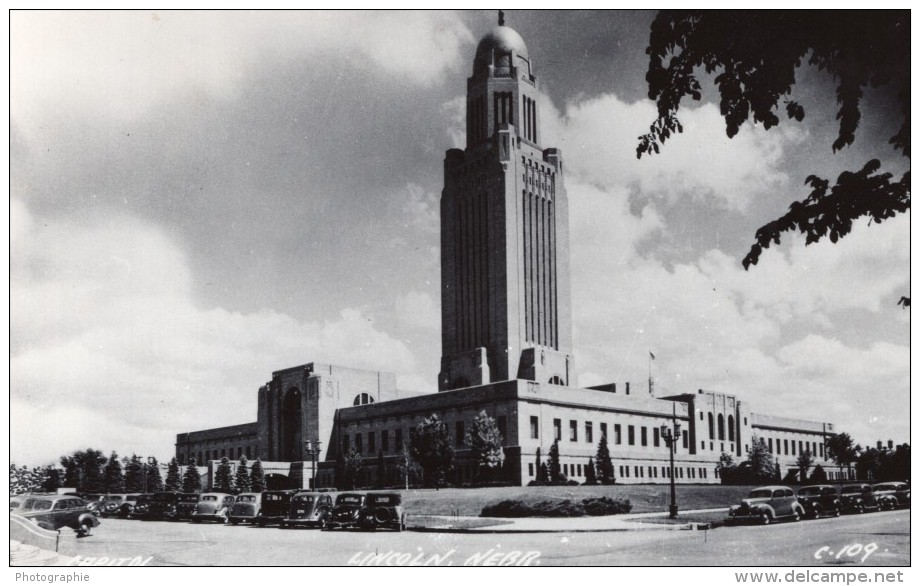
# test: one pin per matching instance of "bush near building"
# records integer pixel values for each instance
(594, 507)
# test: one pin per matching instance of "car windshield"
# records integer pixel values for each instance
(164, 497)
(189, 498)
(304, 498)
(15, 504)
(246, 498)
(851, 489)
(761, 493)
(273, 497)
(131, 497)
(37, 505)
(387, 500)
(349, 499)
(810, 491)
(208, 498)
(113, 499)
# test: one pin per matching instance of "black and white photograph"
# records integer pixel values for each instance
(499, 287)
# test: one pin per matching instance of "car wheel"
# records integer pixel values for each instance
(836, 511)
(766, 518)
(86, 529)
(860, 509)
(796, 516)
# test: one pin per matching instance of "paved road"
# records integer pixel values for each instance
(883, 539)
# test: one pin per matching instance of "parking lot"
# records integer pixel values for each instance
(823, 541)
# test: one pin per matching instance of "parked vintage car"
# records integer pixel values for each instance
(92, 500)
(16, 501)
(111, 504)
(309, 509)
(859, 498)
(274, 506)
(213, 506)
(820, 499)
(186, 507)
(767, 504)
(382, 511)
(138, 509)
(162, 506)
(127, 505)
(245, 508)
(346, 510)
(900, 491)
(55, 511)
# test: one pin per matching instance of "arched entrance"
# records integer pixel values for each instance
(291, 426)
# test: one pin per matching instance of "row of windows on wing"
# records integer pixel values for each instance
(206, 455)
(637, 471)
(631, 437)
(814, 448)
(356, 440)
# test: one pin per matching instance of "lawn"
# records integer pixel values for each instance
(645, 498)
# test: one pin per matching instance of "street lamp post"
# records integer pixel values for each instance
(670, 436)
(313, 453)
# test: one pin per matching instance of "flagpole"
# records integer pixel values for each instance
(650, 391)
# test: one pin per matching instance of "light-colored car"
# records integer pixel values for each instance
(898, 491)
(213, 506)
(245, 508)
(16, 501)
(766, 505)
(53, 512)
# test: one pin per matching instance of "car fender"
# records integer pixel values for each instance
(83, 518)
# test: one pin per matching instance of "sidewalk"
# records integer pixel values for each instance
(631, 522)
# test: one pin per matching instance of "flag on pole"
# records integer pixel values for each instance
(652, 356)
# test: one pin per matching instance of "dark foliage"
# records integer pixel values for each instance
(818, 475)
(223, 477)
(841, 450)
(114, 475)
(604, 463)
(242, 480)
(154, 479)
(257, 477)
(558, 508)
(134, 474)
(590, 474)
(429, 445)
(191, 480)
(173, 480)
(555, 469)
(755, 56)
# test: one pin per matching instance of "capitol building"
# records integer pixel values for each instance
(506, 339)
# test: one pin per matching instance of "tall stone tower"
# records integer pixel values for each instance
(505, 294)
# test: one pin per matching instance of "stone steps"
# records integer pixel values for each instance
(22, 554)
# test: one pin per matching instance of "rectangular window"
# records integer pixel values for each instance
(371, 442)
(631, 434)
(345, 443)
(578, 470)
(399, 441)
(385, 440)
(603, 430)
(557, 429)
(359, 444)
(460, 433)
(617, 434)
(627, 472)
(793, 447)
(621, 470)
(503, 428)
(650, 472)
(534, 427)
(636, 471)
(656, 437)
(686, 436)
(530, 469)
(770, 444)
(821, 449)
(589, 432)
(801, 450)
(565, 469)
(644, 435)
(786, 446)
(573, 431)
(248, 454)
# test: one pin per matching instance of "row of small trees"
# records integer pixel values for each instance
(871, 463)
(599, 471)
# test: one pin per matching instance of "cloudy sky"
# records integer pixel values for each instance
(198, 199)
